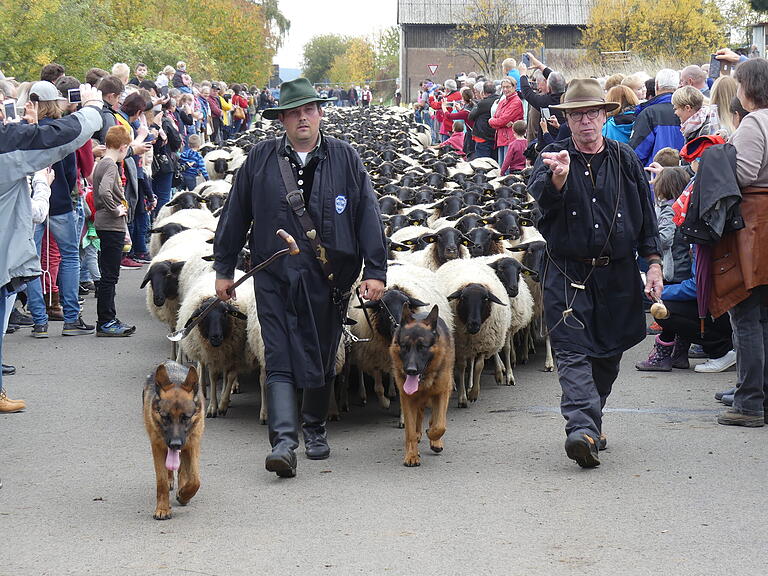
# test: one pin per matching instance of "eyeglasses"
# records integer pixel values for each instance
(591, 114)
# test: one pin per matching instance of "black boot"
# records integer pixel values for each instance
(314, 410)
(680, 354)
(283, 421)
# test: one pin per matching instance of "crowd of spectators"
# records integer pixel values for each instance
(101, 155)
(681, 124)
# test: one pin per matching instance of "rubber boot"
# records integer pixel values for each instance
(660, 358)
(283, 421)
(680, 354)
(54, 310)
(314, 410)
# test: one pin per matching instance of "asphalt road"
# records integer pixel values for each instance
(676, 493)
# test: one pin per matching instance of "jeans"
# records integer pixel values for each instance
(89, 264)
(109, 264)
(162, 184)
(138, 229)
(236, 125)
(3, 295)
(586, 383)
(484, 149)
(35, 298)
(750, 336)
(190, 181)
(502, 152)
(444, 137)
(64, 230)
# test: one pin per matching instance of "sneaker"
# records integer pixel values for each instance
(714, 365)
(40, 331)
(697, 351)
(143, 257)
(729, 392)
(129, 264)
(654, 329)
(735, 418)
(18, 318)
(7, 405)
(89, 286)
(77, 328)
(115, 328)
(581, 447)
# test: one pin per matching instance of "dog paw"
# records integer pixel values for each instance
(472, 395)
(162, 513)
(412, 460)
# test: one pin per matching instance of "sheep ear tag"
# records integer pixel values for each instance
(341, 204)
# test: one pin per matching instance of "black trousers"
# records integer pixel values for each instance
(684, 322)
(586, 382)
(110, 254)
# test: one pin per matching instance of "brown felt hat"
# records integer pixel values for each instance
(585, 93)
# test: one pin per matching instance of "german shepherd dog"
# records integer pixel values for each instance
(174, 416)
(422, 362)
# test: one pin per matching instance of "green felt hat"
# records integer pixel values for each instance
(294, 94)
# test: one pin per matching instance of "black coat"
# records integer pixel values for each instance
(577, 223)
(300, 325)
(480, 115)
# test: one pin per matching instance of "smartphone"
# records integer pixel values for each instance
(526, 59)
(715, 66)
(9, 109)
(73, 95)
(545, 114)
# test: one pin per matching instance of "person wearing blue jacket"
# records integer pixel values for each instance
(682, 327)
(656, 125)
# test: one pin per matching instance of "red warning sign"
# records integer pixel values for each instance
(432, 68)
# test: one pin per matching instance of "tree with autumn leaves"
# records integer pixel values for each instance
(684, 29)
(354, 59)
(232, 40)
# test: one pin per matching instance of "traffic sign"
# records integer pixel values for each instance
(432, 68)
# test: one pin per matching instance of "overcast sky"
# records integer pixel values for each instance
(349, 17)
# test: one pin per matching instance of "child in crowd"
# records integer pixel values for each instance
(514, 160)
(192, 163)
(667, 186)
(110, 220)
(456, 139)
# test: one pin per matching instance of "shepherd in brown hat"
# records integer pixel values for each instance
(597, 213)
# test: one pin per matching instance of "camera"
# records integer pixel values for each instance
(73, 95)
(9, 109)
(526, 59)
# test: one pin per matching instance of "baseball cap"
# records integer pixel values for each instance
(215, 86)
(44, 91)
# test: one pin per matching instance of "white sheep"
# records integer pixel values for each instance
(418, 284)
(222, 351)
(481, 315)
(521, 307)
(189, 218)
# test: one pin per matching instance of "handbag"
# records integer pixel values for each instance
(161, 164)
(239, 113)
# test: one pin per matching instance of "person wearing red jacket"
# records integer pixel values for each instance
(508, 111)
(241, 102)
(437, 104)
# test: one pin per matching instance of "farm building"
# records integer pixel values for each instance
(425, 35)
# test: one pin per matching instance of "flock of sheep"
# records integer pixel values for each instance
(459, 236)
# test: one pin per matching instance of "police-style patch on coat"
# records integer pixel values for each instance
(341, 204)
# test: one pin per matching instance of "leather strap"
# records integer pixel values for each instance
(295, 199)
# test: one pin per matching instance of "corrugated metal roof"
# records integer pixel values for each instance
(535, 12)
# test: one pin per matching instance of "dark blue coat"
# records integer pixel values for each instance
(577, 222)
(656, 127)
(300, 325)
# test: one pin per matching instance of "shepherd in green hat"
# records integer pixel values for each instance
(294, 94)
(316, 188)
